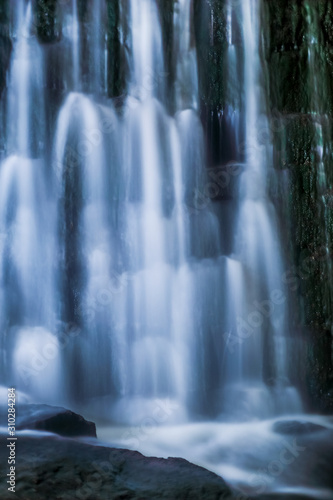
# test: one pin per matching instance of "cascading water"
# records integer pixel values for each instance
(255, 270)
(140, 274)
(27, 279)
(116, 291)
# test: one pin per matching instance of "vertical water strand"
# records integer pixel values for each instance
(182, 288)
(142, 42)
(235, 296)
(254, 179)
(151, 288)
(97, 52)
(25, 173)
(230, 116)
(23, 67)
(200, 273)
(186, 87)
(151, 146)
(27, 250)
(76, 46)
(187, 71)
(81, 158)
(152, 224)
(18, 17)
(179, 208)
(19, 96)
(106, 57)
(257, 234)
(147, 51)
(254, 225)
(89, 22)
(97, 250)
(253, 216)
(147, 62)
(233, 357)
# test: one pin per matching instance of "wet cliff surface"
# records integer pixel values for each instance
(298, 53)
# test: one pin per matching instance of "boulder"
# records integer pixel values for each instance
(52, 419)
(60, 468)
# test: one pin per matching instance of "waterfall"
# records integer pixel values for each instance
(27, 251)
(115, 286)
(255, 268)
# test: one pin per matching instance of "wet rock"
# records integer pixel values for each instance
(296, 427)
(52, 419)
(5, 45)
(297, 51)
(46, 21)
(54, 467)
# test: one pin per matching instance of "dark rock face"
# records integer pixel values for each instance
(66, 469)
(52, 419)
(5, 42)
(46, 21)
(211, 42)
(298, 53)
(5, 53)
(117, 57)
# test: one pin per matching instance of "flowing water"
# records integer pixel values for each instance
(116, 295)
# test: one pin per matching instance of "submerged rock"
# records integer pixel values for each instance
(297, 427)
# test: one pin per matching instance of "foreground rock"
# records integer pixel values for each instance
(58, 468)
(52, 467)
(52, 419)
